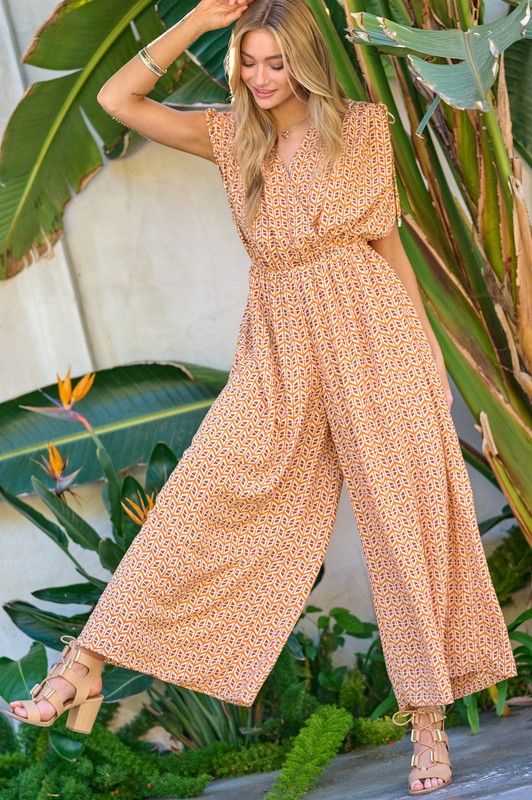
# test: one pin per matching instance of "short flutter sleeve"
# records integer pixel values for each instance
(383, 198)
(221, 127)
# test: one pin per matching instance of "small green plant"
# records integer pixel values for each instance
(510, 564)
(316, 744)
(127, 503)
(381, 731)
(7, 737)
(198, 720)
(317, 662)
(352, 695)
(223, 761)
(100, 766)
(285, 698)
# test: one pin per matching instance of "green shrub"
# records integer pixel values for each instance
(220, 760)
(352, 695)
(258, 757)
(285, 700)
(510, 564)
(315, 745)
(317, 651)
(382, 731)
(106, 766)
(8, 741)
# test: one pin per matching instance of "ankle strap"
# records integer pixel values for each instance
(74, 654)
(413, 717)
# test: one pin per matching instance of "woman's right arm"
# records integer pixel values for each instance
(124, 94)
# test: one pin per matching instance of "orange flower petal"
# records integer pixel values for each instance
(83, 386)
(136, 517)
(65, 389)
(56, 462)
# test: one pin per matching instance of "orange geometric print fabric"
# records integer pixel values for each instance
(333, 378)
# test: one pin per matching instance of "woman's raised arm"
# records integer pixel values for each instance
(124, 94)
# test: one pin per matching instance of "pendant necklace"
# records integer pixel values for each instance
(285, 134)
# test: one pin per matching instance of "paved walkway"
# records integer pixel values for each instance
(496, 764)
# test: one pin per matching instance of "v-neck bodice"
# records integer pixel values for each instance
(301, 147)
(310, 209)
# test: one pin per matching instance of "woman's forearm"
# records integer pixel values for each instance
(134, 80)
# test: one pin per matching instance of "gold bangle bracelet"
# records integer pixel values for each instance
(149, 62)
(148, 65)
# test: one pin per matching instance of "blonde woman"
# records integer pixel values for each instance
(337, 375)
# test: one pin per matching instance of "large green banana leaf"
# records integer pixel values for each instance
(518, 63)
(210, 48)
(450, 262)
(463, 84)
(48, 151)
(148, 402)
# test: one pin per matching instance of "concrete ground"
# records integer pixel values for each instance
(495, 764)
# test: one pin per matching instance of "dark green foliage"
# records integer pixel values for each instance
(353, 691)
(317, 667)
(10, 765)
(7, 736)
(510, 564)
(129, 734)
(285, 700)
(220, 760)
(198, 721)
(107, 765)
(382, 731)
(373, 669)
(315, 745)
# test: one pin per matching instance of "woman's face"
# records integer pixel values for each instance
(263, 71)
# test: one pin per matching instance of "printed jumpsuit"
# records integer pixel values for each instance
(333, 378)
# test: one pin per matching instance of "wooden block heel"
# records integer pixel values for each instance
(82, 718)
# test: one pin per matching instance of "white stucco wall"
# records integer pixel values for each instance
(150, 267)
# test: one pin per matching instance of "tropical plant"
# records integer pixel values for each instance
(198, 720)
(48, 150)
(465, 223)
(510, 565)
(98, 766)
(316, 744)
(316, 652)
(127, 502)
(131, 408)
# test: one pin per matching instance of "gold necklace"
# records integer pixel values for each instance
(285, 134)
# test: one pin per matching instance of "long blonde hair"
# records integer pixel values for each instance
(308, 62)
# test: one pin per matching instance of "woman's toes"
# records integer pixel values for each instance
(417, 786)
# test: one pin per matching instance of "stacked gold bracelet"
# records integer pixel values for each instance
(152, 65)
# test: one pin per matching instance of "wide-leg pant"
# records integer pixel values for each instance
(333, 377)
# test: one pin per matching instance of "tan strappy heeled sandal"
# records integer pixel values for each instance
(82, 709)
(439, 748)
